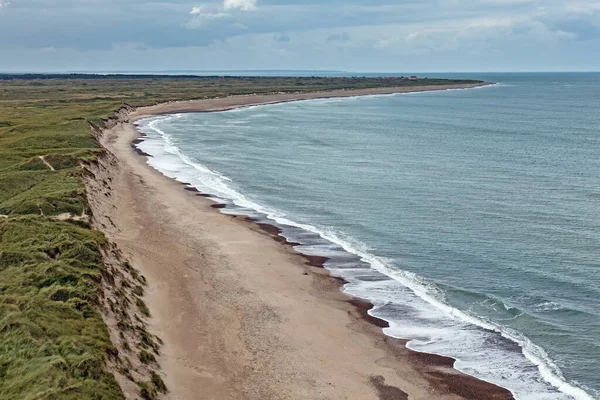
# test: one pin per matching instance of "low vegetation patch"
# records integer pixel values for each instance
(53, 342)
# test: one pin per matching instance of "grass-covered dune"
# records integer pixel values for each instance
(55, 285)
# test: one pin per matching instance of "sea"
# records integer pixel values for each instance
(469, 218)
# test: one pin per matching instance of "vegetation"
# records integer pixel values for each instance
(54, 343)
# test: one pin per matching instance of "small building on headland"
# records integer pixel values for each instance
(412, 78)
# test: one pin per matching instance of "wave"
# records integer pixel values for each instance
(427, 291)
(414, 307)
(500, 84)
(548, 306)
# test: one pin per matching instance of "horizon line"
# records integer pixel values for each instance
(191, 71)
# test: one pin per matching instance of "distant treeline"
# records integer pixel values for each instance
(6, 76)
(96, 76)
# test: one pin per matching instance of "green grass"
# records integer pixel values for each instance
(53, 341)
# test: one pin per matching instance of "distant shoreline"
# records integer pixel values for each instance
(320, 335)
(237, 101)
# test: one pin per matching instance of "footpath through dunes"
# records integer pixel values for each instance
(242, 316)
(73, 317)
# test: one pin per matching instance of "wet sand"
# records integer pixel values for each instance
(243, 316)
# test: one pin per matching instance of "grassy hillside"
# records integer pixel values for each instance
(54, 343)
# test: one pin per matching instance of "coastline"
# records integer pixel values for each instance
(276, 323)
(237, 101)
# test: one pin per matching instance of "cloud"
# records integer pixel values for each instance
(584, 7)
(348, 34)
(3, 3)
(383, 43)
(203, 17)
(244, 5)
(197, 10)
(282, 37)
(339, 37)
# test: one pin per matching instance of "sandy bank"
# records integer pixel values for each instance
(227, 103)
(242, 316)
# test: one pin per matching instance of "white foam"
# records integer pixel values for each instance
(241, 109)
(500, 84)
(436, 327)
(432, 295)
(547, 306)
(329, 100)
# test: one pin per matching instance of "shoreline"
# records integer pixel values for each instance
(249, 100)
(386, 374)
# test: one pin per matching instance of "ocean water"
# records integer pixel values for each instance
(469, 218)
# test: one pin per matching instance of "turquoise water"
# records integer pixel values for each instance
(470, 218)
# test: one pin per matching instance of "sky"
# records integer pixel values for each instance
(351, 35)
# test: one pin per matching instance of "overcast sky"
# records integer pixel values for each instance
(351, 35)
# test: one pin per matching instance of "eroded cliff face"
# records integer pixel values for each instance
(122, 287)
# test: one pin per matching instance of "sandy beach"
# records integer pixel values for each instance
(241, 315)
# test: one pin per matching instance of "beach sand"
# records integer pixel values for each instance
(241, 315)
